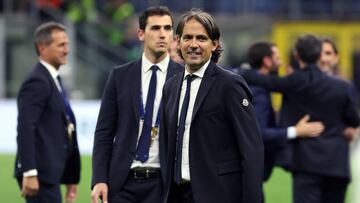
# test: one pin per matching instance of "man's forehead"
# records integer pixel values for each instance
(195, 32)
(159, 20)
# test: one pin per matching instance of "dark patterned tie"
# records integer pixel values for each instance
(142, 151)
(181, 129)
(68, 109)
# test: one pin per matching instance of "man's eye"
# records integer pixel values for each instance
(187, 37)
(155, 27)
(202, 39)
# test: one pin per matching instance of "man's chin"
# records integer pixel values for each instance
(161, 49)
(194, 65)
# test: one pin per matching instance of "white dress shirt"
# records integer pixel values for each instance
(291, 132)
(195, 84)
(53, 72)
(146, 73)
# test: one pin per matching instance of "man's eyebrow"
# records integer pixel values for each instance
(166, 25)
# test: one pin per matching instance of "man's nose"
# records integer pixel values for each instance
(194, 44)
(162, 32)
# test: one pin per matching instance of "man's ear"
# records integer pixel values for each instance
(296, 55)
(141, 34)
(215, 45)
(40, 48)
(267, 61)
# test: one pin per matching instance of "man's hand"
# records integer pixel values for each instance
(71, 192)
(351, 133)
(30, 186)
(308, 129)
(99, 190)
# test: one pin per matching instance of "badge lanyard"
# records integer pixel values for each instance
(155, 128)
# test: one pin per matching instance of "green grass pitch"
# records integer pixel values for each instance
(277, 190)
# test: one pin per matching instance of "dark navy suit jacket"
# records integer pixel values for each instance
(117, 127)
(42, 138)
(274, 137)
(324, 98)
(225, 149)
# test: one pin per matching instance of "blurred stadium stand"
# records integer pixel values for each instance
(103, 32)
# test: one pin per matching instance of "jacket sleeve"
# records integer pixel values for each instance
(292, 82)
(248, 138)
(32, 99)
(271, 134)
(105, 132)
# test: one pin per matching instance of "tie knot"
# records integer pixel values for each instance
(154, 68)
(60, 81)
(190, 77)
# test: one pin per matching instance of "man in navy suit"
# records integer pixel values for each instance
(47, 153)
(328, 62)
(214, 151)
(320, 165)
(127, 163)
(264, 57)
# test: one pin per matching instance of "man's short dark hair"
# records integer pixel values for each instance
(308, 48)
(153, 11)
(209, 24)
(42, 34)
(258, 51)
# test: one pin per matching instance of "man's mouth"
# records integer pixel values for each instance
(162, 43)
(193, 53)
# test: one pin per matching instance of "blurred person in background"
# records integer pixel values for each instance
(328, 62)
(47, 149)
(329, 57)
(81, 11)
(49, 10)
(174, 52)
(264, 58)
(213, 143)
(117, 13)
(127, 157)
(320, 165)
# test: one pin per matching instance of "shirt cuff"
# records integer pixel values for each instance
(32, 172)
(291, 132)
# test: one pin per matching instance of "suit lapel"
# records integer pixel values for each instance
(59, 99)
(174, 101)
(136, 88)
(173, 107)
(206, 84)
(171, 70)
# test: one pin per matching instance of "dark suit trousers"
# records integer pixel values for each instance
(311, 188)
(181, 193)
(47, 193)
(141, 190)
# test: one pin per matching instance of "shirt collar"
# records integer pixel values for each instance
(52, 70)
(146, 64)
(200, 72)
